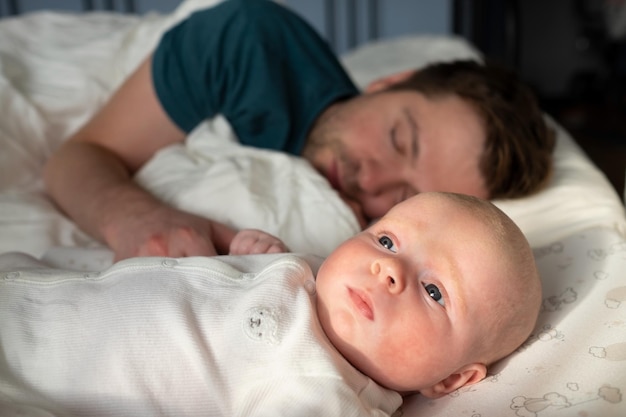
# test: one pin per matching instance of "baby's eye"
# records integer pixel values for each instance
(434, 293)
(387, 243)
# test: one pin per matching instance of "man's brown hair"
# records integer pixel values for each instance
(517, 159)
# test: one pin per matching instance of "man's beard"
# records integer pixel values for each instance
(321, 141)
(349, 169)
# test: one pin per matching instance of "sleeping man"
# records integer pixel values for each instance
(456, 127)
(422, 301)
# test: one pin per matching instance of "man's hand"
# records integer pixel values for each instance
(169, 232)
(252, 241)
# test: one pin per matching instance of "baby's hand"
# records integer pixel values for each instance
(253, 241)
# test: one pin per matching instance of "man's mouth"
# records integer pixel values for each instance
(362, 303)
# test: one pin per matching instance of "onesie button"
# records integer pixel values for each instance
(170, 263)
(11, 276)
(91, 275)
(309, 286)
(261, 324)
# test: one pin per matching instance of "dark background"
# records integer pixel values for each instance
(564, 50)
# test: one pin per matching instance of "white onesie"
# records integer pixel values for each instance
(225, 336)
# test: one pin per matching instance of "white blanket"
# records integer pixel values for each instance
(245, 187)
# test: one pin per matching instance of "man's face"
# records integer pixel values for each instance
(382, 148)
(408, 301)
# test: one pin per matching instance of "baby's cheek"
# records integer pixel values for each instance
(338, 325)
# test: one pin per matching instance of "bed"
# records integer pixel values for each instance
(56, 69)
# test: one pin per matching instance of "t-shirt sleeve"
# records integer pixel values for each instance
(257, 63)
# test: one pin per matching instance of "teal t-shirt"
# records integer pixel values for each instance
(255, 62)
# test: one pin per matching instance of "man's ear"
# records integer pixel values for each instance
(468, 375)
(388, 80)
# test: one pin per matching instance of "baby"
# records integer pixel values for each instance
(424, 300)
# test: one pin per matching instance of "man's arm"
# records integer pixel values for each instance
(90, 178)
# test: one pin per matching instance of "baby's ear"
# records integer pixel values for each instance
(468, 375)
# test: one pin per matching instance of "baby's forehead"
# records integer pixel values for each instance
(437, 205)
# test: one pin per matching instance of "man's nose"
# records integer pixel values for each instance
(371, 180)
(376, 191)
(389, 272)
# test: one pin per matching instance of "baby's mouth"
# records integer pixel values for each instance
(361, 303)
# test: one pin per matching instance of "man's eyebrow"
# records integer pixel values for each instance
(413, 129)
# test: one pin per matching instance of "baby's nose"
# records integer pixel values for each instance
(390, 274)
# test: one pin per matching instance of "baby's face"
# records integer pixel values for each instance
(408, 299)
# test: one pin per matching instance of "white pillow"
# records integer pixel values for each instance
(379, 58)
(579, 195)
